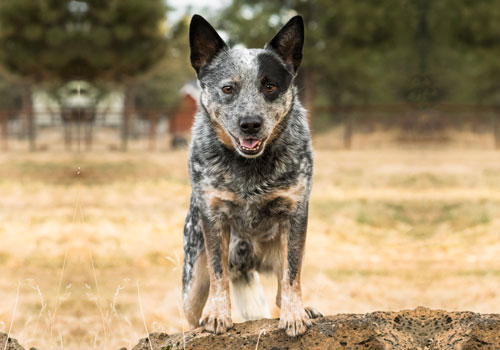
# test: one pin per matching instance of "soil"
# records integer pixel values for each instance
(12, 343)
(419, 329)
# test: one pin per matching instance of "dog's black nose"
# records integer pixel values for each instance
(250, 124)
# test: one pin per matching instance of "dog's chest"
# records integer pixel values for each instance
(254, 212)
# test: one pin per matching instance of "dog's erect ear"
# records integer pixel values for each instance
(204, 41)
(289, 41)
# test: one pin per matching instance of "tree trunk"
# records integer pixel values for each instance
(128, 112)
(4, 118)
(27, 101)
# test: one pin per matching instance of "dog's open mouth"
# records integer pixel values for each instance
(250, 146)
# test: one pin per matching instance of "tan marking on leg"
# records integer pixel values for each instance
(293, 318)
(198, 292)
(216, 317)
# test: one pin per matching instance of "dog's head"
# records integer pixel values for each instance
(246, 92)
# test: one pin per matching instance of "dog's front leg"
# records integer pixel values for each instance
(216, 317)
(293, 317)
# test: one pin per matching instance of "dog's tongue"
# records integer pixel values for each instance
(249, 143)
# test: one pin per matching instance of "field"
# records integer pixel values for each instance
(94, 240)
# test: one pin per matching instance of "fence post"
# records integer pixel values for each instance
(88, 127)
(4, 117)
(153, 121)
(30, 118)
(128, 105)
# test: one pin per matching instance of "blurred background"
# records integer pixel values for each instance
(97, 99)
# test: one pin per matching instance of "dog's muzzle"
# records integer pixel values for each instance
(250, 144)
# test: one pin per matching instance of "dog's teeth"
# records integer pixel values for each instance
(252, 149)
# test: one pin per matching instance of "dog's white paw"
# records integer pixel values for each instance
(216, 319)
(294, 321)
(217, 324)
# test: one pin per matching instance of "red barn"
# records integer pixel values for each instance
(181, 122)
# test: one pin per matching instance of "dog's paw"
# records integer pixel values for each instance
(295, 322)
(312, 312)
(216, 323)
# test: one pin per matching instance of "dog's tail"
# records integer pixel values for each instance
(250, 298)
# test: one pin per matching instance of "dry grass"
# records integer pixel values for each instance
(389, 229)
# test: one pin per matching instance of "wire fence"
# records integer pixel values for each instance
(163, 128)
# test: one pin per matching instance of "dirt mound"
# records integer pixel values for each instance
(12, 343)
(421, 329)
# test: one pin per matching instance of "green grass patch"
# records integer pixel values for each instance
(423, 217)
(89, 173)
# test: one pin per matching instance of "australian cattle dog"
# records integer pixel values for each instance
(250, 165)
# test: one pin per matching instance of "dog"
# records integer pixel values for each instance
(250, 166)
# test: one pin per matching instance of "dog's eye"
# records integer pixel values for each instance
(270, 88)
(227, 89)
